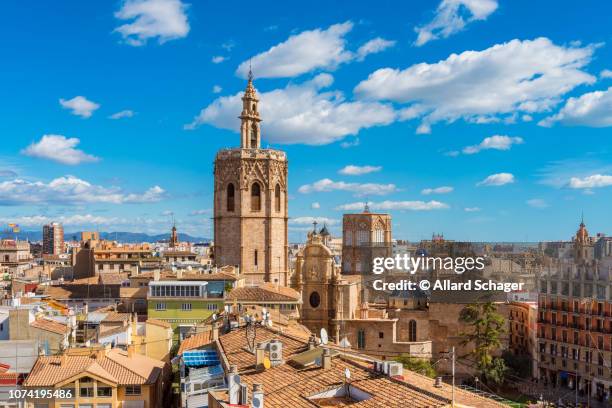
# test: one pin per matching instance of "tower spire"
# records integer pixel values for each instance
(250, 135)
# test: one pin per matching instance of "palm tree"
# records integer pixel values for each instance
(488, 326)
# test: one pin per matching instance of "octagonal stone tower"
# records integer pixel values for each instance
(250, 203)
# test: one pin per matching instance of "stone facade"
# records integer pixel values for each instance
(365, 236)
(250, 203)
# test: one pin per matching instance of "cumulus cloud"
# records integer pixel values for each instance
(537, 203)
(472, 209)
(452, 16)
(200, 212)
(217, 89)
(484, 86)
(498, 179)
(60, 149)
(300, 113)
(70, 190)
(315, 206)
(310, 220)
(497, 142)
(396, 205)
(606, 73)
(301, 53)
(162, 19)
(217, 59)
(80, 106)
(352, 170)
(122, 114)
(437, 190)
(359, 189)
(373, 46)
(592, 181)
(591, 109)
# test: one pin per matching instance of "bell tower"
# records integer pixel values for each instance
(250, 202)
(250, 134)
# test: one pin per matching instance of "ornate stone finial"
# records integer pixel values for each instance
(250, 72)
(314, 226)
(366, 207)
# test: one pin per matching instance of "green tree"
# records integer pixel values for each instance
(488, 326)
(418, 365)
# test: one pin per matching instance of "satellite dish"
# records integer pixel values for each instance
(347, 373)
(214, 316)
(266, 363)
(324, 337)
(344, 343)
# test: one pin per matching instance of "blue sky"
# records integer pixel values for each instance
(479, 119)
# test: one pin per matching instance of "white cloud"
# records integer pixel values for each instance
(472, 209)
(592, 181)
(301, 53)
(396, 205)
(80, 106)
(217, 59)
(70, 190)
(496, 142)
(66, 220)
(359, 189)
(315, 206)
(200, 212)
(352, 170)
(122, 114)
(349, 144)
(437, 190)
(373, 46)
(164, 19)
(482, 86)
(452, 16)
(498, 179)
(537, 203)
(310, 220)
(301, 113)
(60, 149)
(606, 73)
(217, 89)
(591, 109)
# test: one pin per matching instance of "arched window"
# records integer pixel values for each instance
(255, 260)
(255, 197)
(412, 331)
(277, 198)
(230, 197)
(254, 135)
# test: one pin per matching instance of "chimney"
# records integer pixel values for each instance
(233, 385)
(131, 349)
(327, 359)
(258, 396)
(312, 342)
(156, 274)
(260, 355)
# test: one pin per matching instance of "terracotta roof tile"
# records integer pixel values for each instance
(160, 323)
(263, 293)
(50, 325)
(194, 341)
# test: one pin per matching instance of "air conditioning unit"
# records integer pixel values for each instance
(396, 369)
(276, 351)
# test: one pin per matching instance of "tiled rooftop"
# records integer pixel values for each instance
(264, 293)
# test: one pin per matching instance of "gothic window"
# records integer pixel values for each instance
(348, 239)
(379, 236)
(412, 331)
(277, 198)
(362, 237)
(253, 135)
(230, 197)
(315, 300)
(255, 197)
(361, 339)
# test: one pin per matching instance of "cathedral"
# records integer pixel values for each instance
(250, 202)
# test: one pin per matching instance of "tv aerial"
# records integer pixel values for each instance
(324, 337)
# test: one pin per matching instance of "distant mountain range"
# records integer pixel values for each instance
(120, 236)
